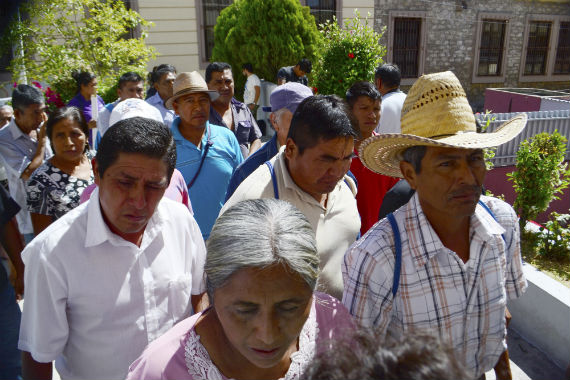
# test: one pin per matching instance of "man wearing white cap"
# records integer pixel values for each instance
(450, 258)
(207, 153)
(284, 101)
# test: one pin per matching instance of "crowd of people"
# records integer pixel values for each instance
(356, 243)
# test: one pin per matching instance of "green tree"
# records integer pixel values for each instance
(59, 36)
(268, 33)
(348, 55)
(541, 174)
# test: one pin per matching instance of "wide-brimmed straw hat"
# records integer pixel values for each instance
(189, 83)
(435, 113)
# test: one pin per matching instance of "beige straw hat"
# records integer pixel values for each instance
(189, 83)
(435, 113)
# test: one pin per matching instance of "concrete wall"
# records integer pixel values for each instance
(452, 33)
(174, 34)
(542, 315)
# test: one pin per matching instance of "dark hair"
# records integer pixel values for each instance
(216, 67)
(363, 355)
(158, 71)
(137, 135)
(414, 155)
(25, 95)
(129, 76)
(389, 73)
(305, 65)
(82, 78)
(62, 113)
(361, 88)
(248, 66)
(320, 117)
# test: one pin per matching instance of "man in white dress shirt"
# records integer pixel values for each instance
(387, 80)
(118, 271)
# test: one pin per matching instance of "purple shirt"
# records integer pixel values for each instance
(85, 105)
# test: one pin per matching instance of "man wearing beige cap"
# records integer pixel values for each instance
(450, 258)
(207, 153)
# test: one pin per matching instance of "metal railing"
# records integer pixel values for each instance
(538, 122)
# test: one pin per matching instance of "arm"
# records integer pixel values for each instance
(12, 242)
(255, 145)
(40, 222)
(257, 93)
(34, 370)
(38, 158)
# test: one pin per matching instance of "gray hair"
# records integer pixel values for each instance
(259, 233)
(279, 114)
(7, 107)
(414, 155)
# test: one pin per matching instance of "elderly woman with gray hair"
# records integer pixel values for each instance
(266, 321)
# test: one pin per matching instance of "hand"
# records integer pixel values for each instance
(19, 286)
(92, 124)
(42, 134)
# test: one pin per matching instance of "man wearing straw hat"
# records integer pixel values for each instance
(450, 258)
(207, 154)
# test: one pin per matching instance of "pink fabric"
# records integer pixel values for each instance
(165, 357)
(177, 191)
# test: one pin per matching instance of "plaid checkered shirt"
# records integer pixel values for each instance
(464, 302)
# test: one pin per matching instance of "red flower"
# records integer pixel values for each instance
(15, 84)
(315, 90)
(351, 55)
(37, 84)
(340, 81)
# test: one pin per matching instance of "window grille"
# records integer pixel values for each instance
(406, 46)
(537, 48)
(491, 47)
(211, 10)
(562, 61)
(323, 10)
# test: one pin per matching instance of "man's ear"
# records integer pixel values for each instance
(17, 113)
(272, 120)
(409, 173)
(175, 107)
(291, 149)
(378, 83)
(95, 171)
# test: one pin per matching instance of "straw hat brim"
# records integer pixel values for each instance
(213, 95)
(382, 153)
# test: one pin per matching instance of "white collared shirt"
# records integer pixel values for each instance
(336, 226)
(390, 112)
(94, 300)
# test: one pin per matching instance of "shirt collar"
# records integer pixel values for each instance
(15, 131)
(290, 183)
(427, 243)
(175, 128)
(98, 232)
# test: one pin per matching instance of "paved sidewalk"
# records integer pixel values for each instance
(527, 362)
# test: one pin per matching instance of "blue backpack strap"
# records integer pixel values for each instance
(273, 179)
(493, 215)
(398, 246)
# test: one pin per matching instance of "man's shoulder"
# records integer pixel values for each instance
(68, 231)
(501, 210)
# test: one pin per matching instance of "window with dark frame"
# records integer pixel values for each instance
(537, 47)
(210, 11)
(491, 47)
(323, 10)
(406, 45)
(562, 61)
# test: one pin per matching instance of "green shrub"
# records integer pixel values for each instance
(541, 174)
(555, 238)
(268, 33)
(347, 55)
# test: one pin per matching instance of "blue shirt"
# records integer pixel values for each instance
(265, 153)
(18, 148)
(208, 192)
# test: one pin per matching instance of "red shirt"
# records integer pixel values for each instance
(371, 190)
